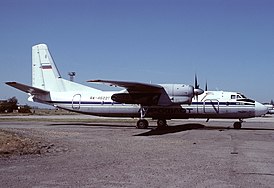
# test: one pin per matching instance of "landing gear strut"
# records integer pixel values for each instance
(142, 123)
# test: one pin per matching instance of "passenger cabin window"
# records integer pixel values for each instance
(233, 96)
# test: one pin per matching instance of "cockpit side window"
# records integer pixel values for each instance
(233, 96)
(244, 97)
(241, 96)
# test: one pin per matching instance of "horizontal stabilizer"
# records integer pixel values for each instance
(28, 89)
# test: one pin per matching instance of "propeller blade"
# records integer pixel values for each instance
(196, 86)
(197, 90)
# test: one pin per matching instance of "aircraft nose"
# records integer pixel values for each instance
(260, 109)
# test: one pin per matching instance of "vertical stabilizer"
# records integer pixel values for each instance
(46, 76)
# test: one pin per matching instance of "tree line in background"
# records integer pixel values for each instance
(10, 105)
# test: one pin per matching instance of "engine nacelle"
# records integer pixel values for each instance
(179, 93)
(179, 90)
(181, 100)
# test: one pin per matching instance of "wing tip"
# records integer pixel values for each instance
(10, 83)
(94, 81)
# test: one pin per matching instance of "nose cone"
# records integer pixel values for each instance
(260, 109)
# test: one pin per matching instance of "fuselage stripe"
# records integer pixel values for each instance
(193, 103)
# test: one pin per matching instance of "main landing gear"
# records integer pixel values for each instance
(143, 123)
(238, 124)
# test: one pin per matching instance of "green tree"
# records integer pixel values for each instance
(9, 105)
(24, 109)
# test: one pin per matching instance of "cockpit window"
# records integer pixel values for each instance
(233, 96)
(241, 96)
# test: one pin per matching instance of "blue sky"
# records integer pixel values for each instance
(229, 43)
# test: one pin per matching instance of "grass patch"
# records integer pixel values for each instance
(13, 144)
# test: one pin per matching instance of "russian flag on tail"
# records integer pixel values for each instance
(46, 67)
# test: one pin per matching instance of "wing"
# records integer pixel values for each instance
(139, 93)
(28, 89)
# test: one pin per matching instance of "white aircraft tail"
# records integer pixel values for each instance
(46, 76)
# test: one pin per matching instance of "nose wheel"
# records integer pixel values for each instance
(237, 125)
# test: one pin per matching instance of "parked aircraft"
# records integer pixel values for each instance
(143, 100)
(270, 108)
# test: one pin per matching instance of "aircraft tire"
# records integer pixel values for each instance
(161, 123)
(142, 124)
(237, 125)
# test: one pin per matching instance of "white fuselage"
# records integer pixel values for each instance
(210, 104)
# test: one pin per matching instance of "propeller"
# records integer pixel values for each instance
(197, 90)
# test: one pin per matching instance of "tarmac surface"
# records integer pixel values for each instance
(113, 153)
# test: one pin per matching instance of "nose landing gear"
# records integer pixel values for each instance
(238, 124)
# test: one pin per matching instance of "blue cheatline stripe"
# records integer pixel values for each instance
(193, 103)
(82, 102)
(221, 103)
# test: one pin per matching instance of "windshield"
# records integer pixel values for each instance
(241, 97)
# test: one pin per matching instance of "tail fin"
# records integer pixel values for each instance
(44, 71)
(45, 74)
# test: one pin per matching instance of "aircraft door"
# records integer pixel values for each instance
(76, 101)
(211, 106)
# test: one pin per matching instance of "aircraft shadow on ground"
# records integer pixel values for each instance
(153, 131)
(160, 131)
(172, 129)
(220, 128)
(192, 126)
